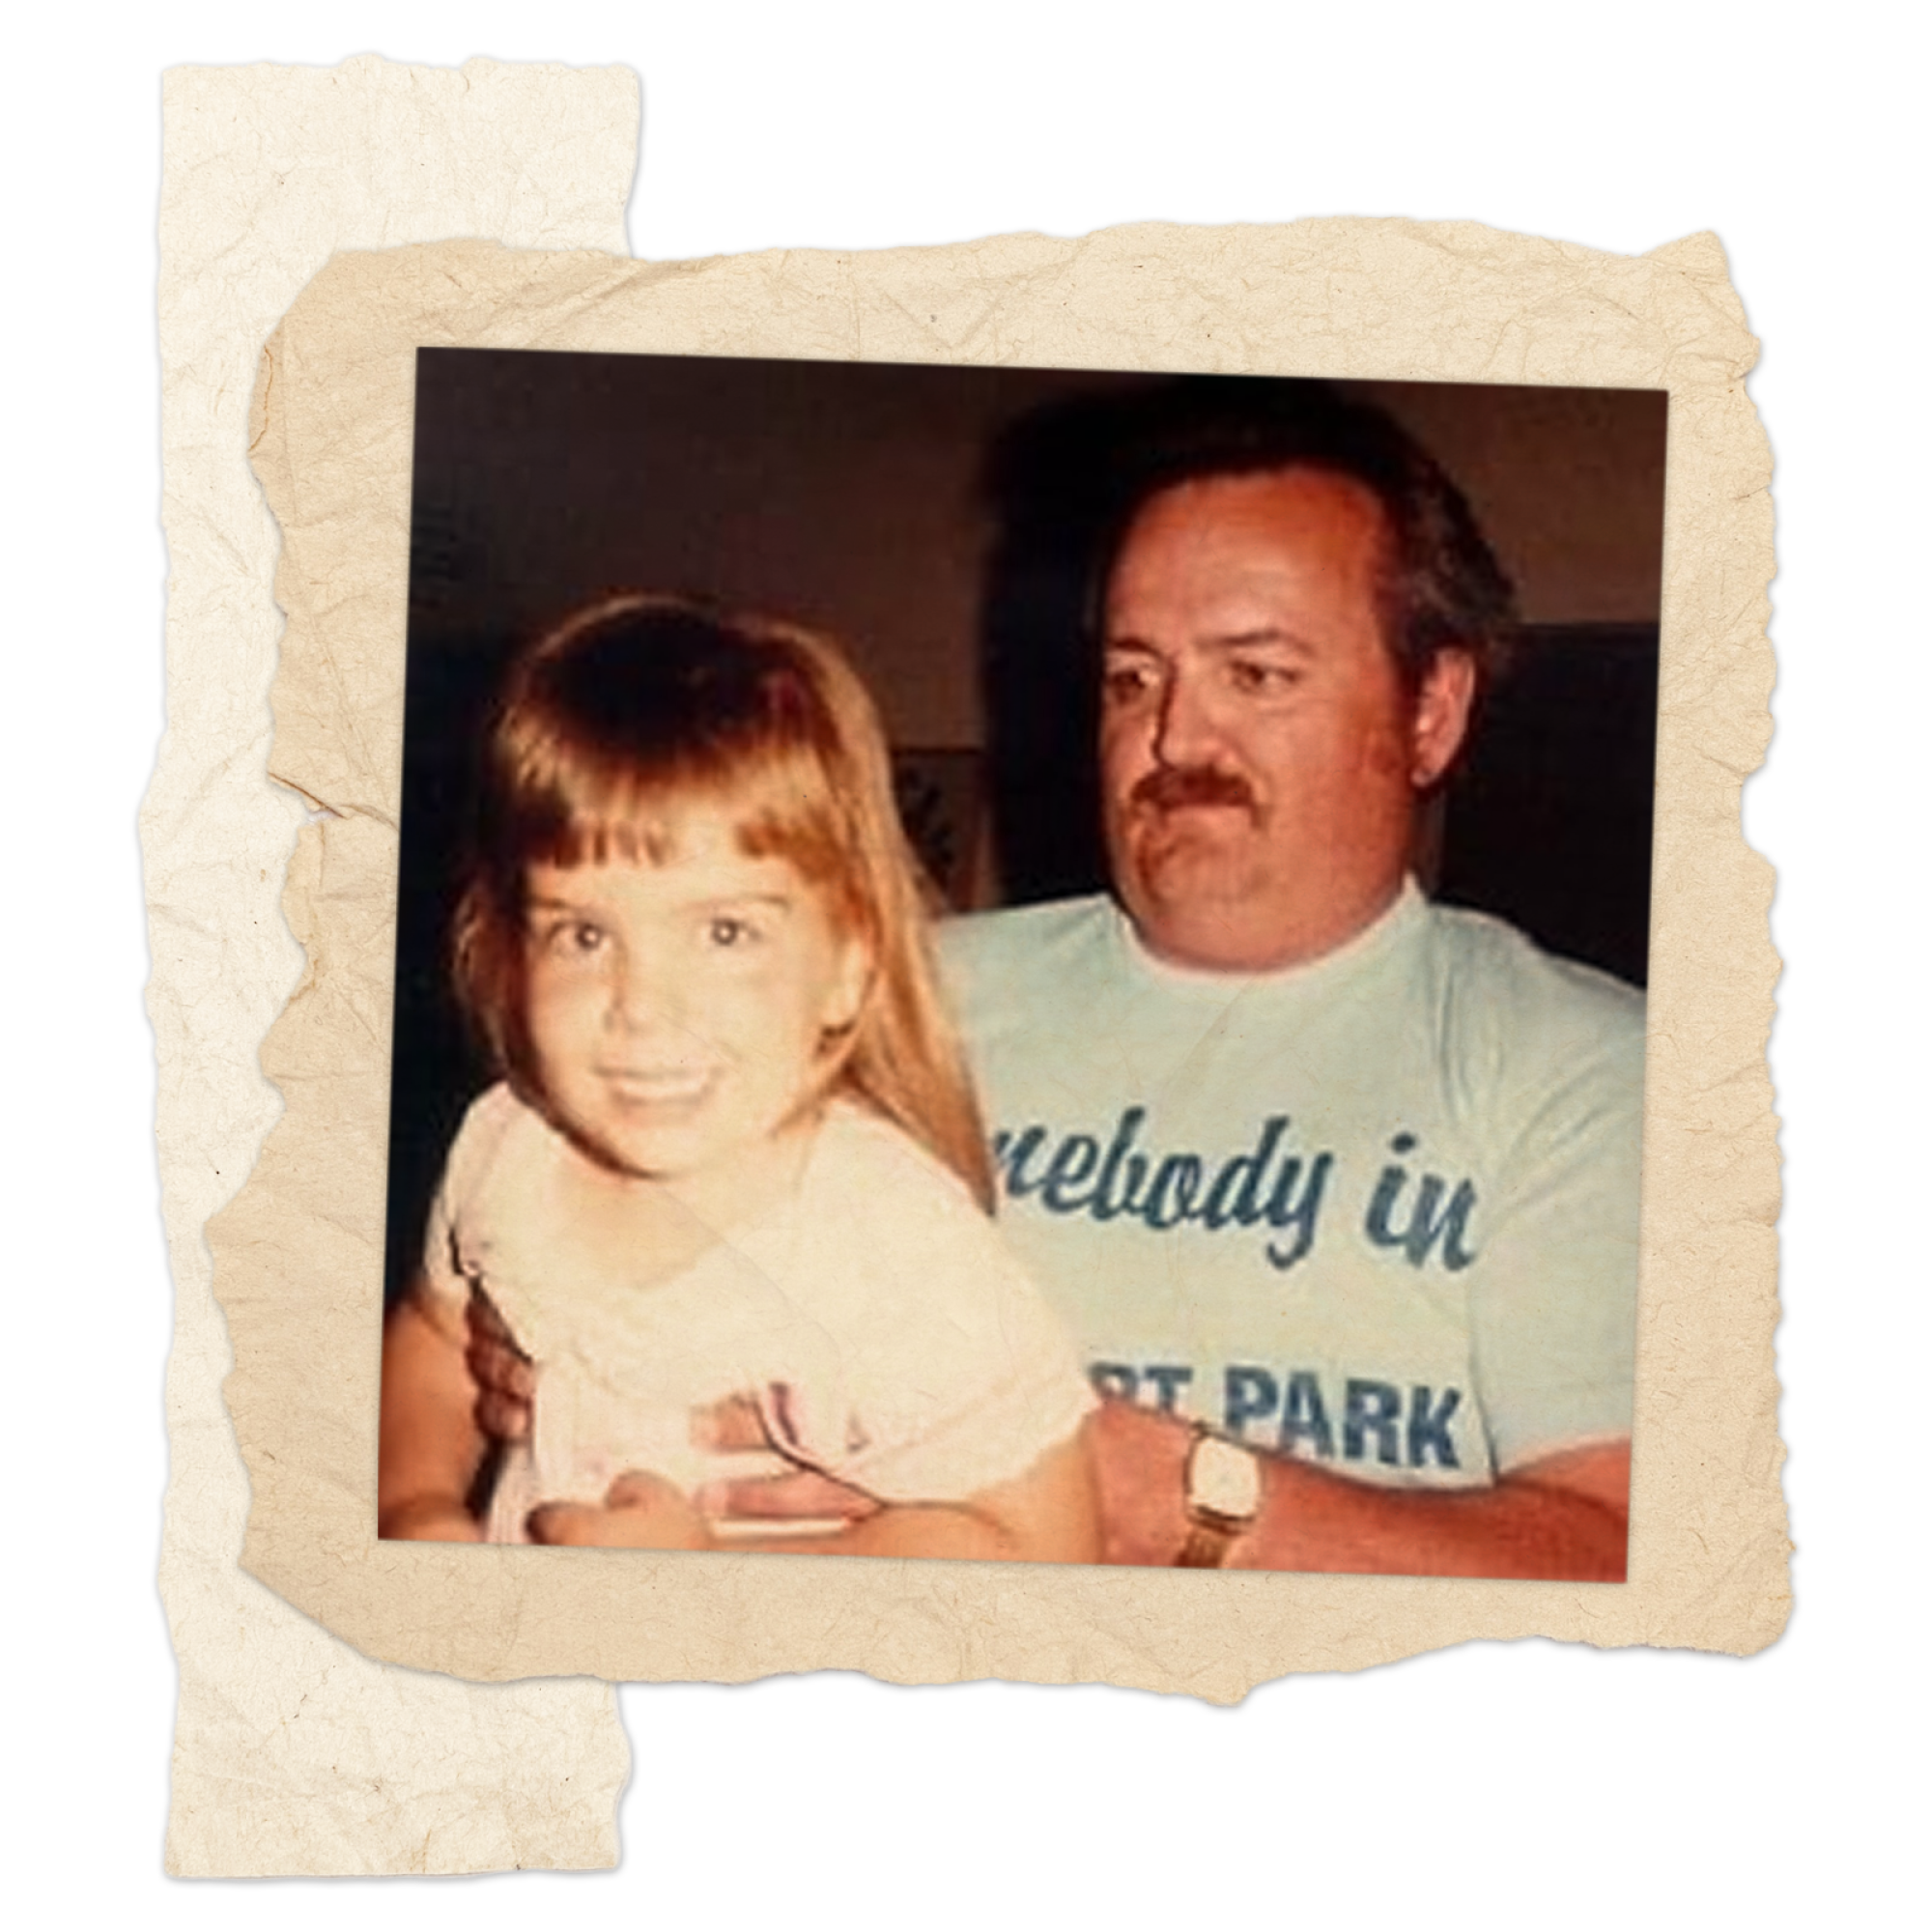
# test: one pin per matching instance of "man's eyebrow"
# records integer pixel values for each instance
(1266, 634)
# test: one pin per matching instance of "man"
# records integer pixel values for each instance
(1337, 1189)
(1311, 1167)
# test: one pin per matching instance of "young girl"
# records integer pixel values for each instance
(733, 1166)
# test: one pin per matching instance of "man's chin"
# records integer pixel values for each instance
(1194, 868)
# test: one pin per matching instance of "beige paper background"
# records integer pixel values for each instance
(293, 1753)
(298, 1253)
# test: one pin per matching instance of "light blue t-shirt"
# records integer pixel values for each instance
(1379, 1211)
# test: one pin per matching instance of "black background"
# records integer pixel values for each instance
(1477, 1765)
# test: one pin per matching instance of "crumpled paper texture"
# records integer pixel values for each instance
(293, 1753)
(297, 1254)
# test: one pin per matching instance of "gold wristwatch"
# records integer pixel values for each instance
(1223, 1487)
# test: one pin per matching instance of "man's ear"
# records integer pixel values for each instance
(1442, 716)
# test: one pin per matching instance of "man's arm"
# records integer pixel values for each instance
(1563, 1518)
(1045, 1515)
(430, 1444)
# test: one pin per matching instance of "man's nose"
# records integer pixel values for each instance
(1185, 728)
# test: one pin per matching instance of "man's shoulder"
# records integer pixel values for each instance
(986, 954)
(1502, 994)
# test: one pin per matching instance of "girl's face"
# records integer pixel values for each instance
(678, 1011)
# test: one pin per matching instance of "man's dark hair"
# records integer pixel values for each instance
(1441, 585)
(1066, 482)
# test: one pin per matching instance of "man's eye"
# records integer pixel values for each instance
(1123, 683)
(1252, 674)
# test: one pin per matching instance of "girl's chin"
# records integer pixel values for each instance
(664, 1155)
(668, 1155)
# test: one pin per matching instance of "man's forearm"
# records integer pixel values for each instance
(1520, 1529)
(1562, 1518)
(905, 1531)
(428, 1518)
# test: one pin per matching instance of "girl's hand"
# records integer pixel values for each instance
(738, 1425)
(638, 1511)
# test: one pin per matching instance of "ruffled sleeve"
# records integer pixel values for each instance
(458, 1237)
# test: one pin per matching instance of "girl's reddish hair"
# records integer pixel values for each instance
(639, 706)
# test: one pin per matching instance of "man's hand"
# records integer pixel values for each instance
(1140, 1471)
(505, 1382)
(735, 1425)
(639, 1511)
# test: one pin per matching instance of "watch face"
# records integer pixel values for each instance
(1224, 1478)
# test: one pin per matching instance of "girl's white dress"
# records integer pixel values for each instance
(876, 1317)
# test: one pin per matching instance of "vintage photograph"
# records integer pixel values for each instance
(1024, 964)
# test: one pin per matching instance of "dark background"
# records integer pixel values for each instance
(1618, 1767)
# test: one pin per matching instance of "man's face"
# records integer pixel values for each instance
(1259, 757)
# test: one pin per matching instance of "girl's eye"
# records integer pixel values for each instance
(728, 932)
(573, 939)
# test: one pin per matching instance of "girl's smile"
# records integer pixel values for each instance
(679, 1012)
(674, 1088)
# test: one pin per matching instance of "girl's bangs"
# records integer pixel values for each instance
(779, 799)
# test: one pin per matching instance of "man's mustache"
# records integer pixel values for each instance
(1173, 787)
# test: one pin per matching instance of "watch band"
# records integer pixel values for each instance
(1210, 1538)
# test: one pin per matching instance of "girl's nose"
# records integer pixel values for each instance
(644, 997)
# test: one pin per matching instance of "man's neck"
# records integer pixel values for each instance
(1227, 945)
